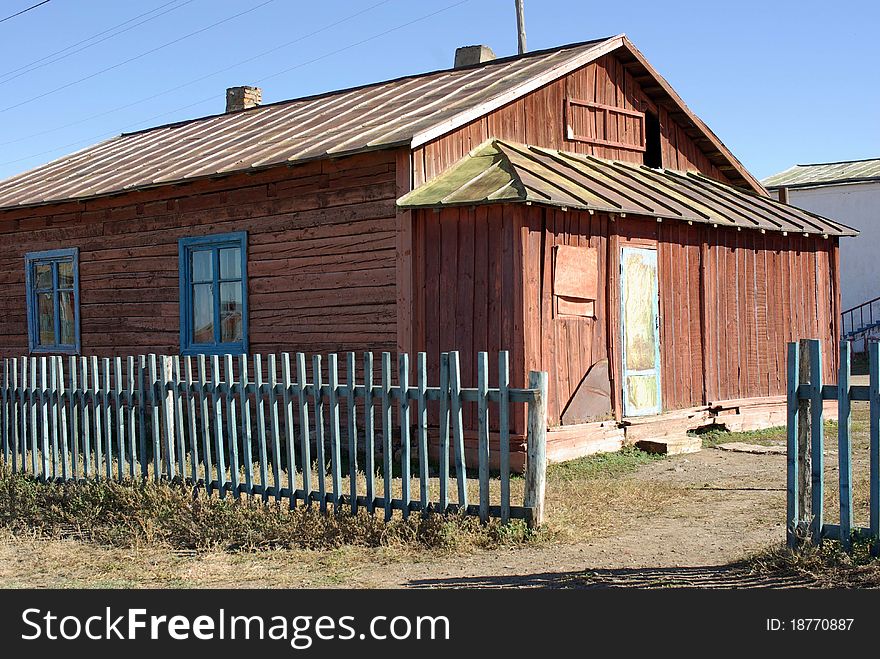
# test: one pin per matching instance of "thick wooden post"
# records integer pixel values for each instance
(536, 465)
(805, 490)
(791, 514)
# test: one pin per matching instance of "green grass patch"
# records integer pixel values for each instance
(601, 465)
(135, 514)
(713, 435)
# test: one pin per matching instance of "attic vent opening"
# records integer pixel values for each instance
(604, 125)
(653, 153)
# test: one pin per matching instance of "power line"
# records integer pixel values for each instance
(200, 78)
(107, 135)
(23, 11)
(41, 62)
(136, 57)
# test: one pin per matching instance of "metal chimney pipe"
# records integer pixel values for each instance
(521, 26)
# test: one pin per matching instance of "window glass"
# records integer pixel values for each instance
(53, 301)
(203, 313)
(46, 318)
(230, 312)
(43, 275)
(230, 263)
(66, 317)
(202, 266)
(213, 305)
(65, 274)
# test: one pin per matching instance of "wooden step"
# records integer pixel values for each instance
(671, 444)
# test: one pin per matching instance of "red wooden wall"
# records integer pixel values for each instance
(538, 119)
(321, 258)
(729, 300)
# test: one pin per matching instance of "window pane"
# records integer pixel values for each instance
(43, 275)
(65, 313)
(65, 274)
(203, 313)
(46, 318)
(230, 263)
(202, 266)
(230, 312)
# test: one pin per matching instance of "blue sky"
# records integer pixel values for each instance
(779, 82)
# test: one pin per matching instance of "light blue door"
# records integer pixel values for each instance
(640, 331)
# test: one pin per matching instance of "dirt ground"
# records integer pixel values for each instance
(730, 505)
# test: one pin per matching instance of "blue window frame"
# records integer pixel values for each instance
(52, 281)
(213, 294)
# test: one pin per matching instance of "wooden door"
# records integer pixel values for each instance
(640, 330)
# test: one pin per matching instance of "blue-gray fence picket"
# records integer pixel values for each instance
(810, 526)
(155, 417)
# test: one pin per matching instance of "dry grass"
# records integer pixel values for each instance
(173, 516)
(826, 566)
(102, 534)
(590, 497)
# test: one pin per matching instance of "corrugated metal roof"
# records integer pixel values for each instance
(342, 122)
(499, 171)
(851, 171)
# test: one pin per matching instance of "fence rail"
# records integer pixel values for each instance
(806, 441)
(277, 432)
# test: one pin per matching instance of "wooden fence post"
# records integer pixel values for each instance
(536, 465)
(816, 459)
(804, 474)
(791, 514)
(844, 445)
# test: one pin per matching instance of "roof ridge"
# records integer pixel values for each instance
(834, 162)
(377, 83)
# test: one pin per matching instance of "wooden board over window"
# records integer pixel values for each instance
(604, 125)
(576, 280)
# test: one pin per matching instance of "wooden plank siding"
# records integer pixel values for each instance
(322, 241)
(538, 119)
(728, 301)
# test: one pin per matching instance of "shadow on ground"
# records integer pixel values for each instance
(716, 577)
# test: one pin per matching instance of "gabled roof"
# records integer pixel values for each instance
(406, 111)
(499, 171)
(826, 173)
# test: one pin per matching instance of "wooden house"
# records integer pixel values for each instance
(564, 205)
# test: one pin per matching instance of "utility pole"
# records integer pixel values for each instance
(521, 26)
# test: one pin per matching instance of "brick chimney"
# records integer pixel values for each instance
(467, 55)
(242, 98)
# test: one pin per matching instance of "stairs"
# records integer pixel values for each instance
(861, 321)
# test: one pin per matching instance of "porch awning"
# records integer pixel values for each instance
(504, 172)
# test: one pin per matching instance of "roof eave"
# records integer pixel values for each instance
(206, 177)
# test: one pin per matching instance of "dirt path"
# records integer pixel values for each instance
(732, 504)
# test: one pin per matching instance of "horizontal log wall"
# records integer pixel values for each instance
(321, 258)
(538, 119)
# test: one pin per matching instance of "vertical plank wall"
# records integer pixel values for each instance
(729, 300)
(470, 272)
(538, 119)
(564, 346)
(321, 258)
